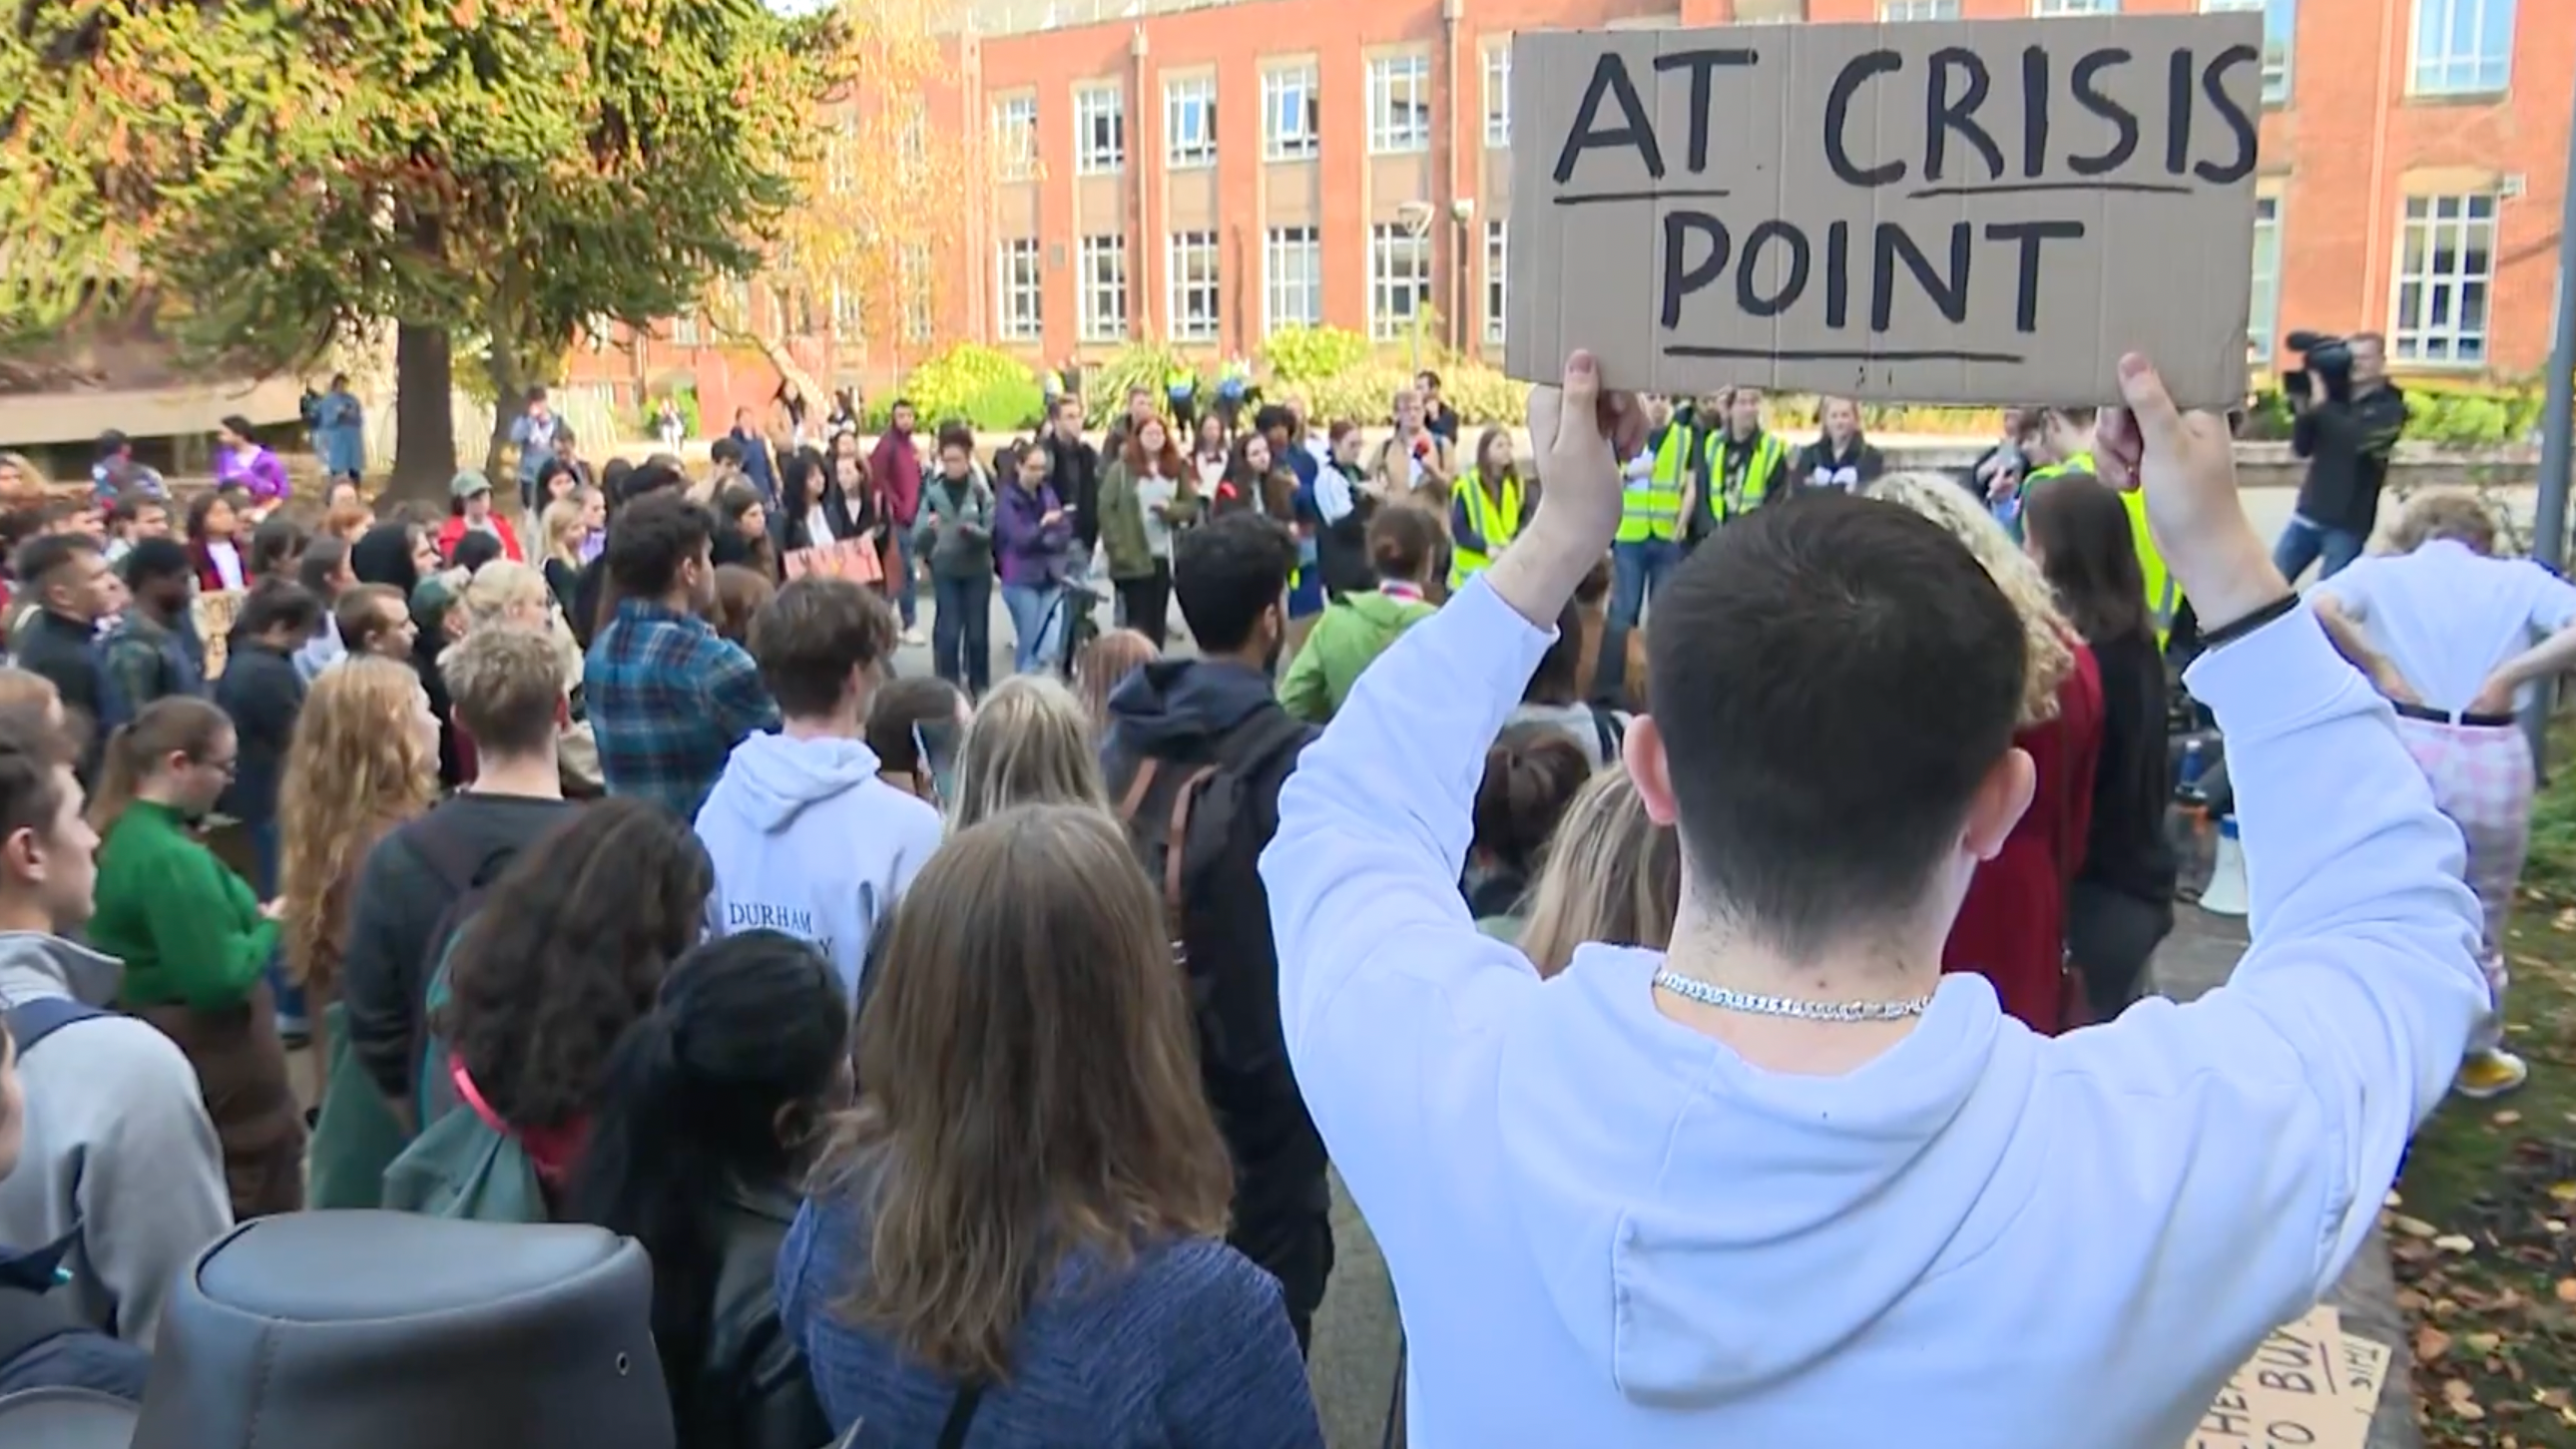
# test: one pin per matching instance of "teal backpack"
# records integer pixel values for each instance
(466, 1164)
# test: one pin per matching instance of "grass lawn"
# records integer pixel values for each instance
(2484, 1227)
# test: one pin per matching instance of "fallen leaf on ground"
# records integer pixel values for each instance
(2418, 1228)
(2431, 1343)
(2566, 1290)
(2455, 1243)
(2506, 1118)
(2481, 1342)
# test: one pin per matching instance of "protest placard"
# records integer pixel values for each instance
(855, 559)
(1943, 212)
(212, 613)
(2307, 1386)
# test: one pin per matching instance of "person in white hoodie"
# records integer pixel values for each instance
(1786, 1184)
(805, 837)
(120, 1175)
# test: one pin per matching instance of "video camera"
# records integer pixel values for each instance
(2329, 358)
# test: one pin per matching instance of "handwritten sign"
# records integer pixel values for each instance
(212, 612)
(2306, 1387)
(1942, 212)
(854, 559)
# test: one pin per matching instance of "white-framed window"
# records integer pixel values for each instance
(845, 314)
(2045, 8)
(1189, 121)
(1104, 288)
(1498, 273)
(1292, 279)
(1291, 125)
(1022, 288)
(1498, 92)
(2280, 34)
(914, 272)
(2263, 313)
(685, 331)
(1192, 280)
(1399, 104)
(2445, 280)
(1399, 280)
(841, 157)
(1099, 129)
(1897, 11)
(2462, 48)
(1015, 137)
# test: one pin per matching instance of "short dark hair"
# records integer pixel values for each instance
(355, 612)
(277, 603)
(47, 552)
(1809, 804)
(32, 753)
(811, 635)
(1270, 416)
(1427, 376)
(902, 707)
(157, 558)
(1227, 574)
(474, 549)
(652, 539)
(901, 405)
(957, 435)
(323, 557)
(725, 453)
(654, 475)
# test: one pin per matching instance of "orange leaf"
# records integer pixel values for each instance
(2430, 1344)
(2566, 1290)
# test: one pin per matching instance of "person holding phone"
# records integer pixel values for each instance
(1031, 536)
(1414, 460)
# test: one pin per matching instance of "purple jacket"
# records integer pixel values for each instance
(1029, 553)
(255, 468)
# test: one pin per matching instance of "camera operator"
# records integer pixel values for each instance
(2348, 419)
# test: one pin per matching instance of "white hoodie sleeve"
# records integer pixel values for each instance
(2269, 1116)
(1381, 968)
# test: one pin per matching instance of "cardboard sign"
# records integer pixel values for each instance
(212, 612)
(2306, 1386)
(1980, 211)
(854, 559)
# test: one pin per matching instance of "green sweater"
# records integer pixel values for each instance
(1354, 630)
(188, 929)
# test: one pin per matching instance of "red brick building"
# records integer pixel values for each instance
(1202, 174)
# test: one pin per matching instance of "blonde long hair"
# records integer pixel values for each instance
(1028, 744)
(1610, 874)
(2048, 639)
(356, 769)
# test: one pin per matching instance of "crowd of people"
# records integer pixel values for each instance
(1662, 875)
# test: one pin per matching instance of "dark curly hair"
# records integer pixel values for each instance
(567, 951)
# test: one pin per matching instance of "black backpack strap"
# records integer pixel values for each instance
(32, 1021)
(1612, 734)
(29, 1314)
(961, 1415)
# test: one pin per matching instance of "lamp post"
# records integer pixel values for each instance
(1415, 217)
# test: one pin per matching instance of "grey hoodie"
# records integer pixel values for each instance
(118, 1143)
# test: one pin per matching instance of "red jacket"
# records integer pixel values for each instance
(2012, 926)
(455, 527)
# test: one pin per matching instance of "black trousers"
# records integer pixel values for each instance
(1147, 601)
(1298, 1251)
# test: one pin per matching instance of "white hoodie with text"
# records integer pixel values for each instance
(806, 839)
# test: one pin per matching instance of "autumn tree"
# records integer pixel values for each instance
(882, 192)
(491, 170)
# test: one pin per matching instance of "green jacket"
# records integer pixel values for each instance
(188, 929)
(1122, 521)
(1354, 630)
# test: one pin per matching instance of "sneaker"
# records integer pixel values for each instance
(915, 637)
(2490, 1074)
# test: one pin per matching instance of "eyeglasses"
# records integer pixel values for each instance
(228, 766)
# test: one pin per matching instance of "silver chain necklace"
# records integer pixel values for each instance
(1727, 998)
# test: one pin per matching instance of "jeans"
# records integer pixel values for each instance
(1037, 625)
(290, 997)
(905, 587)
(2303, 543)
(1637, 572)
(961, 631)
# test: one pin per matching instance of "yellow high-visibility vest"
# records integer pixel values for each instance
(1655, 510)
(1497, 521)
(1770, 458)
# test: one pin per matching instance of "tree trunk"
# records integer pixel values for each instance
(424, 414)
(510, 393)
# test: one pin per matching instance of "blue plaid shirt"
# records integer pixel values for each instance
(669, 698)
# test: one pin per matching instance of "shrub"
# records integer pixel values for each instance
(985, 388)
(684, 393)
(2467, 417)
(1297, 355)
(1139, 364)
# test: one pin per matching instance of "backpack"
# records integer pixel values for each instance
(1198, 829)
(1611, 731)
(29, 1317)
(466, 1165)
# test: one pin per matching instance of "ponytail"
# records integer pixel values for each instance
(178, 723)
